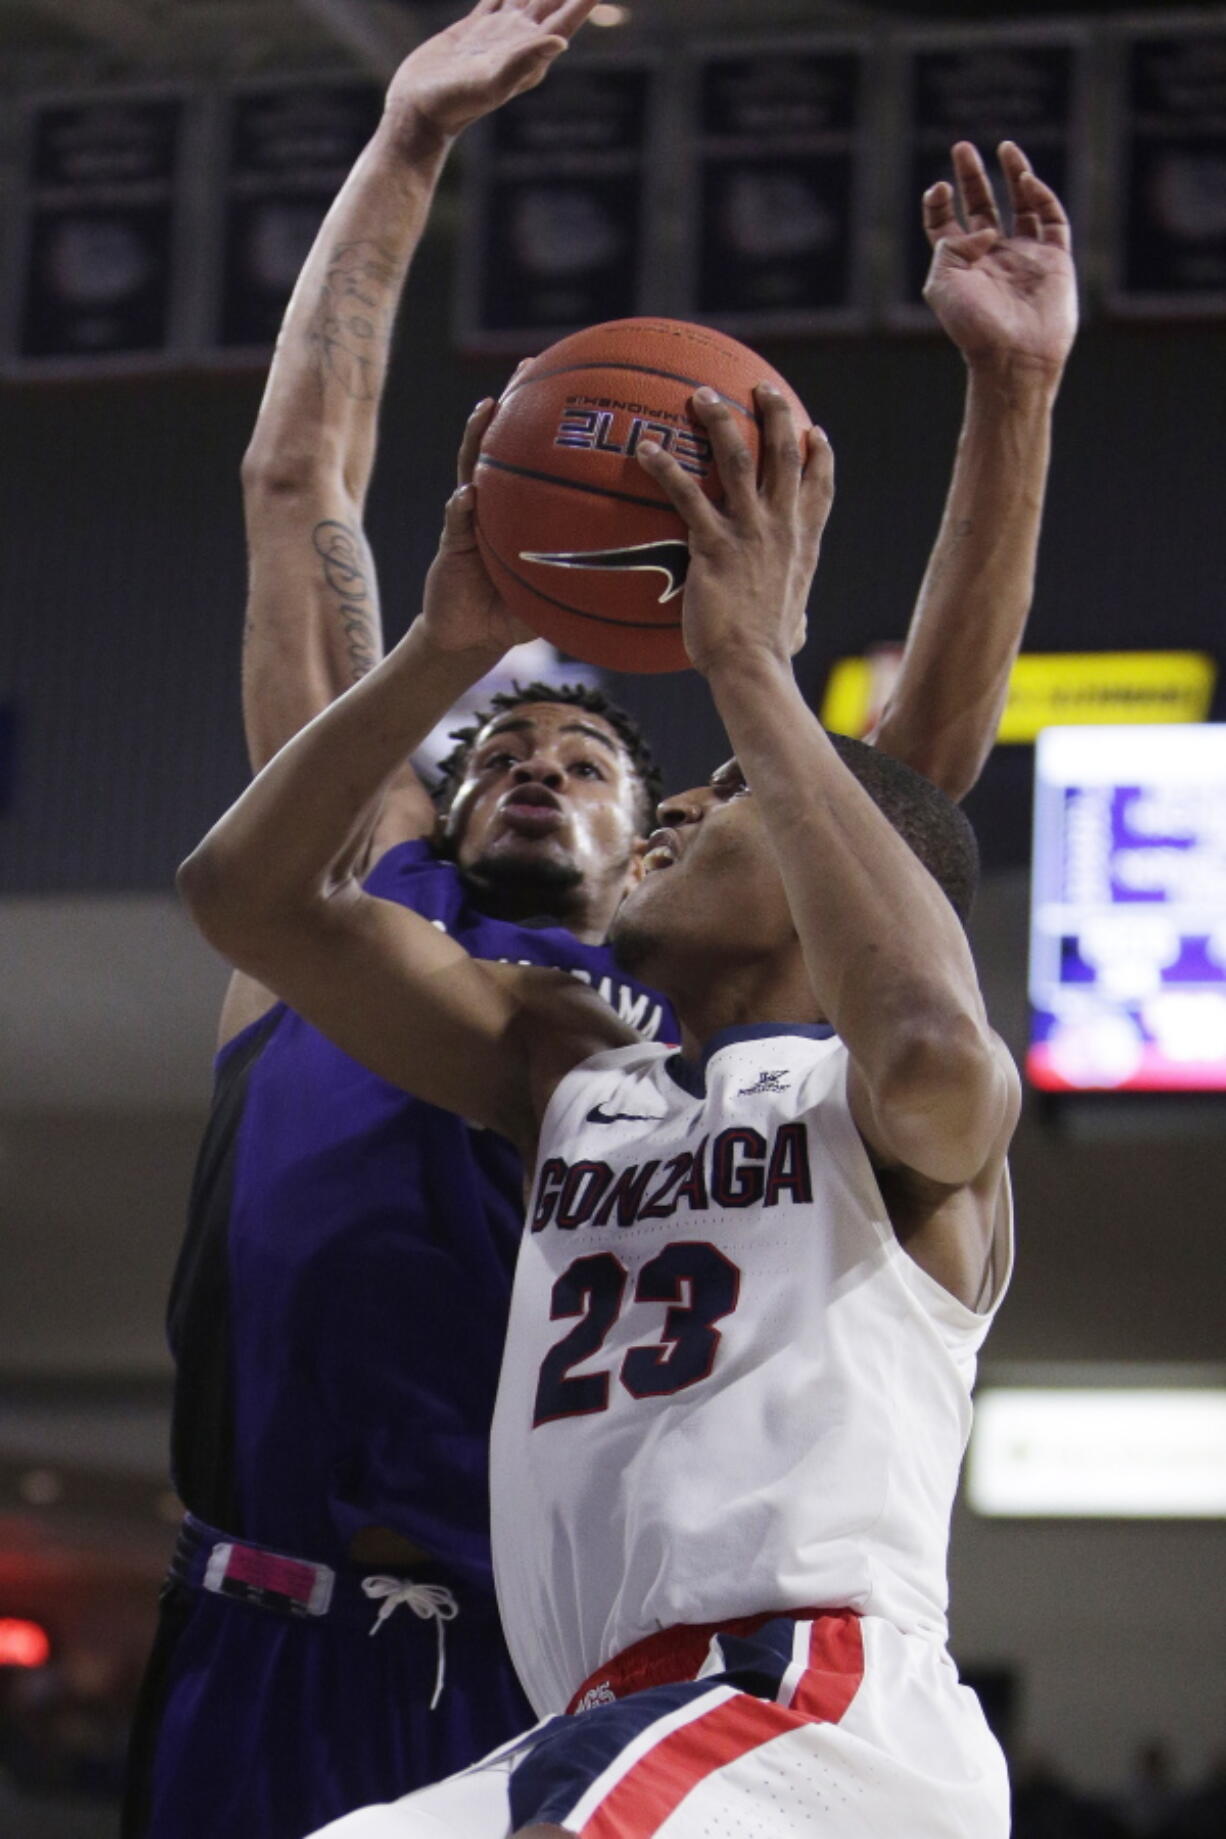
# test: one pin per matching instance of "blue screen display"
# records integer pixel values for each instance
(1128, 909)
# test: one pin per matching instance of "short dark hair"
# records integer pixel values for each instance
(927, 821)
(572, 695)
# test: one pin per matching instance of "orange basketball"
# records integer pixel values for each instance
(579, 541)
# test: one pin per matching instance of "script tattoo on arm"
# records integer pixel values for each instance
(349, 329)
(345, 563)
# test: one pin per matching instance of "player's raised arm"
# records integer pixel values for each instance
(885, 954)
(313, 625)
(1007, 297)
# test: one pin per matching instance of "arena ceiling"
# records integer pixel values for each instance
(45, 43)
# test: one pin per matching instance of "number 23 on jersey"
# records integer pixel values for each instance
(698, 1283)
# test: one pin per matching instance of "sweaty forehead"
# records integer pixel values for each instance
(551, 718)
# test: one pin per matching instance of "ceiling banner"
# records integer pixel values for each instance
(1168, 230)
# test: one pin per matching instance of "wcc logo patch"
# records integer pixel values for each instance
(670, 558)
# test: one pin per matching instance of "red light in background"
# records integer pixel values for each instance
(23, 1644)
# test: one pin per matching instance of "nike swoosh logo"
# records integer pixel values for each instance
(598, 1115)
(670, 558)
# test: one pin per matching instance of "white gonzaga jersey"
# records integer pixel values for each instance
(726, 1387)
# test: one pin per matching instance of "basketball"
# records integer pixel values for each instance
(577, 538)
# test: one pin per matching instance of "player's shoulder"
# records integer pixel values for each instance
(414, 859)
(562, 1024)
(1011, 1084)
(418, 875)
(553, 1000)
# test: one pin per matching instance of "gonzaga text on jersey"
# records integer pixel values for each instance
(737, 1168)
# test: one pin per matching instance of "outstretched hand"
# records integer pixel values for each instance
(499, 50)
(1001, 294)
(462, 609)
(752, 559)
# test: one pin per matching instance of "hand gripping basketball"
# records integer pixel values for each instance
(753, 557)
(581, 543)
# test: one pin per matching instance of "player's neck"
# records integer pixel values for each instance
(750, 995)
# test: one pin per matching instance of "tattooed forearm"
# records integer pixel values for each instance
(344, 558)
(350, 328)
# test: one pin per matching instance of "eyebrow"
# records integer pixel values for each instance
(521, 725)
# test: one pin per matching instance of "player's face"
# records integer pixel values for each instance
(549, 793)
(711, 886)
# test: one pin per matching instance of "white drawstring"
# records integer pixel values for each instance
(425, 1600)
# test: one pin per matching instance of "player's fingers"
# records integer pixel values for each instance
(1041, 201)
(531, 65)
(681, 489)
(515, 376)
(817, 480)
(782, 460)
(538, 11)
(974, 187)
(1013, 167)
(737, 467)
(962, 251)
(458, 532)
(474, 434)
(940, 217)
(566, 16)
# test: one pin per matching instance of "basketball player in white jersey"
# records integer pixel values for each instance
(756, 1275)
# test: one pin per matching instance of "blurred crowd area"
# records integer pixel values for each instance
(1154, 1804)
(63, 1734)
(64, 1726)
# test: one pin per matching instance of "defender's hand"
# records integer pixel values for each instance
(1001, 294)
(751, 560)
(499, 50)
(462, 609)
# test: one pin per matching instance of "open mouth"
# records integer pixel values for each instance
(663, 849)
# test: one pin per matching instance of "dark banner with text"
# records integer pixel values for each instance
(95, 276)
(1168, 240)
(776, 216)
(1023, 85)
(286, 153)
(555, 203)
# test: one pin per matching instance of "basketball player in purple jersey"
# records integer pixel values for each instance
(339, 1307)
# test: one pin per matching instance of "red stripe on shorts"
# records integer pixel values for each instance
(674, 1654)
(655, 1786)
(834, 1671)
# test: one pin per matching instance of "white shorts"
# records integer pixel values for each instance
(839, 1727)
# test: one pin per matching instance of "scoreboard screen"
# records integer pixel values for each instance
(1128, 910)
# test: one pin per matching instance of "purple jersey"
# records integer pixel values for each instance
(340, 1305)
